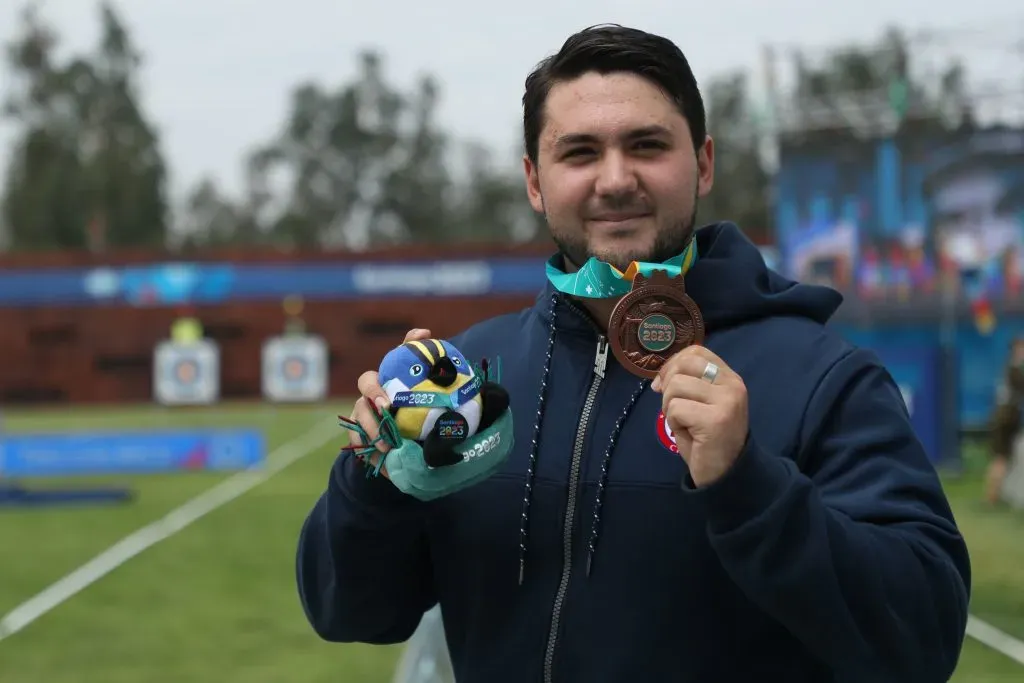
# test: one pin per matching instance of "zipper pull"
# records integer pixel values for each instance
(601, 360)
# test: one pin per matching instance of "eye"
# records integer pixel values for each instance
(651, 145)
(577, 152)
(458, 362)
(416, 370)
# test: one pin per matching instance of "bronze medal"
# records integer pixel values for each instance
(653, 322)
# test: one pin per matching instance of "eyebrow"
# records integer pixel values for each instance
(635, 134)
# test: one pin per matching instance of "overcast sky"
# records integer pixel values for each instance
(218, 72)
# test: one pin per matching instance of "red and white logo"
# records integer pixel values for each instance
(665, 435)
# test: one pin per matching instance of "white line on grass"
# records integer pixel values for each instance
(176, 520)
(240, 484)
(1001, 642)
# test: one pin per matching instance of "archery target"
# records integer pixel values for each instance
(186, 373)
(295, 368)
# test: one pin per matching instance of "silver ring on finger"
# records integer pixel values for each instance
(710, 373)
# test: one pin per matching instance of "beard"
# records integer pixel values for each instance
(669, 242)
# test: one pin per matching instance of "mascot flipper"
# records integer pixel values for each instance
(449, 425)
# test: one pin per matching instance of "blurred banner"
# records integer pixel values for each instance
(169, 284)
(186, 373)
(102, 453)
(165, 284)
(883, 219)
(917, 372)
(295, 368)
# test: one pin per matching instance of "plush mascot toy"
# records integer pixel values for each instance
(449, 424)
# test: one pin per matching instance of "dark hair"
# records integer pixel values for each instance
(609, 48)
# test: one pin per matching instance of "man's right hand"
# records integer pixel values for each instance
(370, 391)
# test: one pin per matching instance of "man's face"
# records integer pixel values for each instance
(616, 175)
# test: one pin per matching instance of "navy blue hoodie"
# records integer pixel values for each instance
(828, 552)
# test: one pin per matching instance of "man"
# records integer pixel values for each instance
(762, 511)
(1006, 422)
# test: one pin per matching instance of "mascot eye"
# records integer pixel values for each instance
(416, 370)
(457, 361)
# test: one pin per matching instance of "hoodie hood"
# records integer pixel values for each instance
(732, 285)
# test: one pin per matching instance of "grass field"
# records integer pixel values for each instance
(216, 603)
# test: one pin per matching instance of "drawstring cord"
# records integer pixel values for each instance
(612, 441)
(535, 449)
(531, 468)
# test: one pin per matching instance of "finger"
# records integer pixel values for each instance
(417, 334)
(692, 361)
(367, 419)
(706, 356)
(370, 389)
(684, 414)
(364, 416)
(690, 388)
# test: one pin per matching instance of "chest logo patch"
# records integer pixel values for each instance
(665, 435)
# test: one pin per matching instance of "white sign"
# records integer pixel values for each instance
(295, 369)
(425, 658)
(186, 373)
(458, 277)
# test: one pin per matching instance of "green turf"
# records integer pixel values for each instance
(217, 603)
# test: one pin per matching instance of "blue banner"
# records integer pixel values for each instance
(884, 219)
(99, 453)
(207, 283)
(916, 371)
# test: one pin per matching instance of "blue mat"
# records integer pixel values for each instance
(13, 496)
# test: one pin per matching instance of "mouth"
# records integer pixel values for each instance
(619, 217)
(616, 223)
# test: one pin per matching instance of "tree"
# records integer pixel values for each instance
(742, 181)
(876, 90)
(87, 169)
(209, 218)
(367, 164)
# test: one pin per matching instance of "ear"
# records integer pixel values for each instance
(706, 167)
(533, 185)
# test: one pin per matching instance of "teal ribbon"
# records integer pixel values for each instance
(600, 280)
(434, 399)
(483, 454)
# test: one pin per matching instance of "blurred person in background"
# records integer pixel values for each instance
(1006, 421)
(772, 517)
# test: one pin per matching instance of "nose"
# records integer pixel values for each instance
(615, 176)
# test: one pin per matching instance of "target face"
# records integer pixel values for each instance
(295, 368)
(187, 373)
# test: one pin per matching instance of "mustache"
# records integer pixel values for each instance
(618, 209)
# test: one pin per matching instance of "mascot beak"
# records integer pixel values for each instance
(443, 372)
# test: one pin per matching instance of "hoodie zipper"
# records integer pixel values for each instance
(600, 364)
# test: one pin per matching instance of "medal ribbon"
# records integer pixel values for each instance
(600, 280)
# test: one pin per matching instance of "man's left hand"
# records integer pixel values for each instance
(706, 408)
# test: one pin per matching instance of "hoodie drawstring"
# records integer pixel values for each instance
(531, 467)
(612, 441)
(535, 450)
